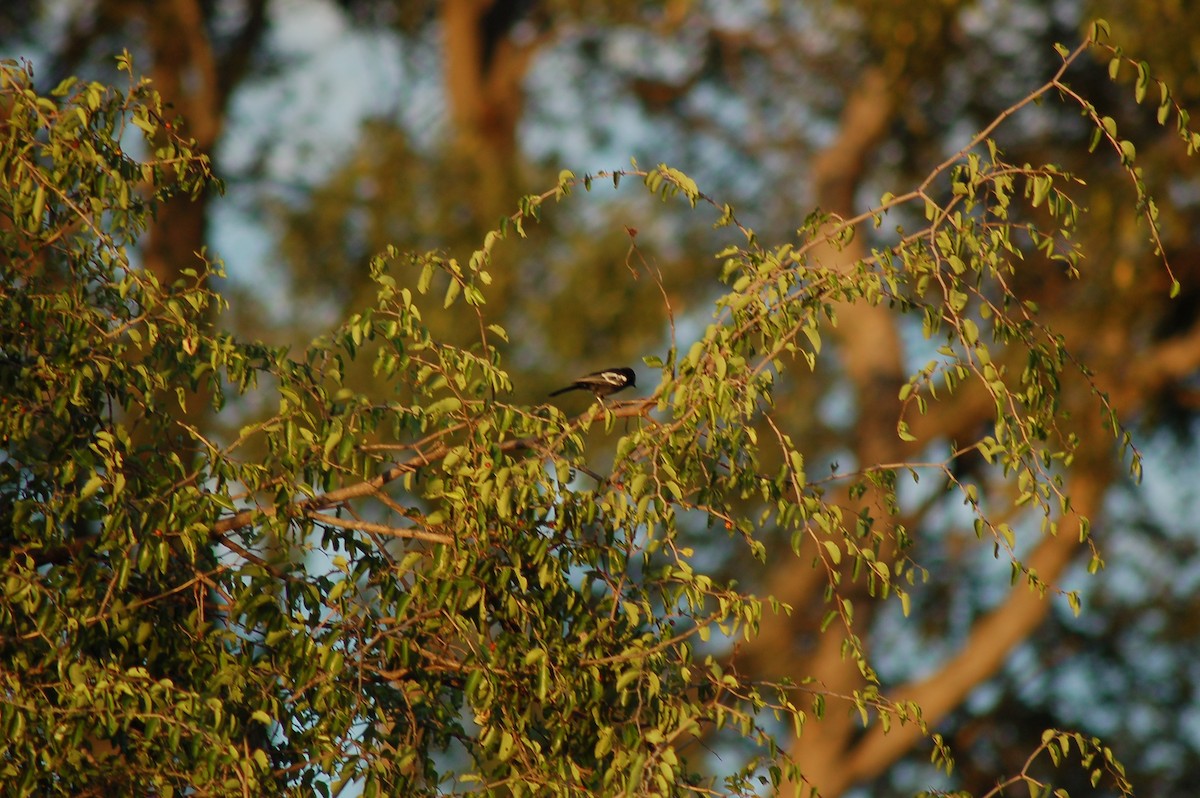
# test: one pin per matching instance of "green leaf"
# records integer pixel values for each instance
(90, 488)
(452, 292)
(507, 747)
(1142, 83)
(834, 551)
(425, 278)
(444, 407)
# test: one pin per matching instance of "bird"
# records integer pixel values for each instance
(603, 383)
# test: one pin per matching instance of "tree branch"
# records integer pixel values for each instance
(311, 506)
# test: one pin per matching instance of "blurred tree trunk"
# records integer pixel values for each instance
(194, 69)
(197, 75)
(873, 357)
(185, 73)
(484, 69)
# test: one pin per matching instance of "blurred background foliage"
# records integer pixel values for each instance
(343, 126)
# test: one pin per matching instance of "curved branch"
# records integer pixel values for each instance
(985, 649)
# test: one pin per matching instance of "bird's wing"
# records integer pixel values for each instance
(605, 378)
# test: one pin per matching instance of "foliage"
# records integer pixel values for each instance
(432, 589)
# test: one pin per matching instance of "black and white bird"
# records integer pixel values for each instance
(603, 383)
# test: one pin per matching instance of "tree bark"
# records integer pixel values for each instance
(484, 70)
(185, 73)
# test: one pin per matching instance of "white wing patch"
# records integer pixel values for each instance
(611, 377)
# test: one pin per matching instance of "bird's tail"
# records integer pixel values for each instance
(564, 390)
